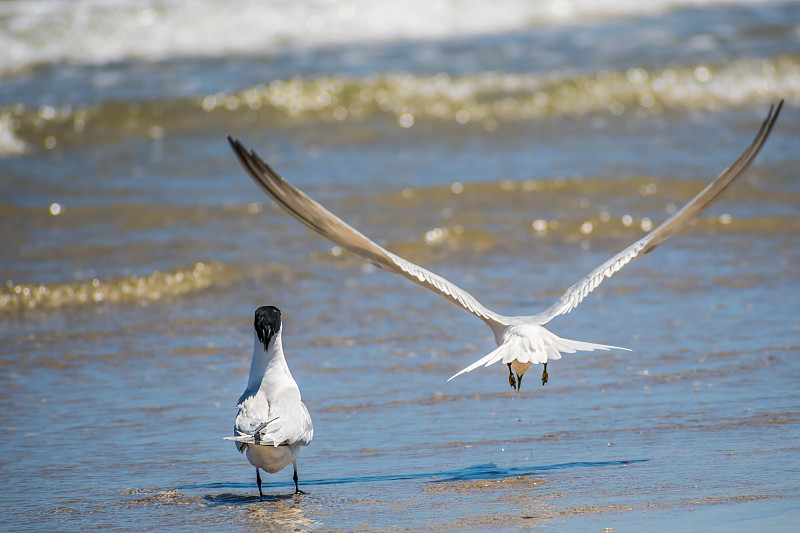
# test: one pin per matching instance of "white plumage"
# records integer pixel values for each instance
(521, 340)
(272, 422)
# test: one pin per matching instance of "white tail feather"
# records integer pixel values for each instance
(532, 343)
(487, 360)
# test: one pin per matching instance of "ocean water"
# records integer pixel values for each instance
(508, 146)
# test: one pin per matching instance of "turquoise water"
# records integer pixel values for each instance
(511, 158)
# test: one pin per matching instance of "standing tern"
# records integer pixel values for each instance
(272, 422)
(521, 340)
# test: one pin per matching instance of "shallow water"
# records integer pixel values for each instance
(510, 158)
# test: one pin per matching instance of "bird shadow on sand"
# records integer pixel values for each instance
(486, 471)
(231, 498)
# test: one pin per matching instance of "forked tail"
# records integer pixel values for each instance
(532, 343)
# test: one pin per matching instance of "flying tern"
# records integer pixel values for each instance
(521, 340)
(272, 422)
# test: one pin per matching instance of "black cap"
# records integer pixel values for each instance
(267, 323)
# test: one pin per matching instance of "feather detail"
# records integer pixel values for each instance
(533, 344)
(574, 295)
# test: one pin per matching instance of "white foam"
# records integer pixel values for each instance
(10, 144)
(100, 31)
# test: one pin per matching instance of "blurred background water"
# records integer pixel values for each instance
(509, 146)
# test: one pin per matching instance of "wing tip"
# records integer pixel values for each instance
(235, 143)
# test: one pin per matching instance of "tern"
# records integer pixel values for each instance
(272, 422)
(521, 340)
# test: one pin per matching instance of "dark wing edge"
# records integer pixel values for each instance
(318, 218)
(580, 290)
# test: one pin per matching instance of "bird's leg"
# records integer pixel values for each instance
(296, 488)
(519, 382)
(544, 374)
(258, 480)
(511, 380)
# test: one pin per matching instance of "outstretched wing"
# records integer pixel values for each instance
(577, 292)
(312, 214)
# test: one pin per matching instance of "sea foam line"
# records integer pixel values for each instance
(89, 32)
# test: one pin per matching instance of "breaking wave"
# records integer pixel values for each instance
(90, 32)
(487, 99)
(151, 287)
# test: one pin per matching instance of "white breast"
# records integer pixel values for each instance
(271, 458)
